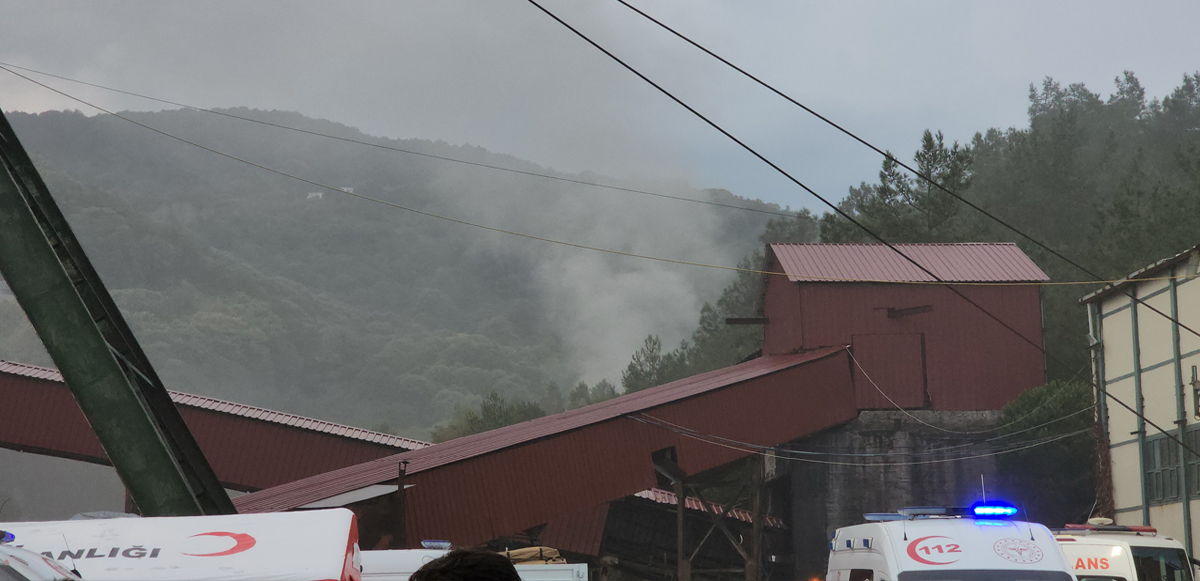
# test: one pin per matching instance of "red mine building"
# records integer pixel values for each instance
(867, 363)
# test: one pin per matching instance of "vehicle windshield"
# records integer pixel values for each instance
(8, 574)
(1161, 564)
(984, 575)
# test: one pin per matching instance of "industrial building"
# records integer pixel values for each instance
(1150, 362)
(863, 353)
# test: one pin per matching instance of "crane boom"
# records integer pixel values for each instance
(125, 402)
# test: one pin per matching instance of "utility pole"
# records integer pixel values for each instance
(124, 401)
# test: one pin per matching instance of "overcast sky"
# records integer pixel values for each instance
(502, 75)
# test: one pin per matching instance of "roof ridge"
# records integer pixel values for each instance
(893, 244)
(953, 262)
(305, 490)
(243, 410)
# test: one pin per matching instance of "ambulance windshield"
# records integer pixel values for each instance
(1161, 564)
(984, 575)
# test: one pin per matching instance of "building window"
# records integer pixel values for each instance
(1162, 470)
(1192, 439)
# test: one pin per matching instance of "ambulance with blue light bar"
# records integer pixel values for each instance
(1101, 551)
(980, 543)
(20, 565)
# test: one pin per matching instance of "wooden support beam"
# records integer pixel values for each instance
(683, 564)
(720, 524)
(758, 467)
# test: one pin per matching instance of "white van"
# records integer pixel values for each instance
(1101, 551)
(946, 544)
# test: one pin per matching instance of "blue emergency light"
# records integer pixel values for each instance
(6, 537)
(993, 509)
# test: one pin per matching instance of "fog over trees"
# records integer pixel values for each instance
(252, 287)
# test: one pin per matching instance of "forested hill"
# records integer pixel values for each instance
(1111, 182)
(255, 287)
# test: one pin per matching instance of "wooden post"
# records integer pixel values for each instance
(400, 509)
(684, 572)
(754, 563)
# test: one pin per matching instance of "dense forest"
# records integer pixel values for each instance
(252, 287)
(1111, 183)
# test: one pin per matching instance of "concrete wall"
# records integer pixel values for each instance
(825, 497)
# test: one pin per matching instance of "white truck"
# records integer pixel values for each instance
(946, 544)
(1101, 551)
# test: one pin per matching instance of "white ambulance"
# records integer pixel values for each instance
(1101, 551)
(946, 544)
(21, 565)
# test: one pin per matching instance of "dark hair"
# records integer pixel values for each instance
(468, 565)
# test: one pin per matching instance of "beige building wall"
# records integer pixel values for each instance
(1115, 343)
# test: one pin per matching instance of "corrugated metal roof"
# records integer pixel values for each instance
(581, 531)
(667, 497)
(293, 494)
(247, 411)
(33, 371)
(1145, 272)
(973, 262)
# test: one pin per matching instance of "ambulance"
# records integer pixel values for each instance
(21, 565)
(310, 545)
(980, 543)
(1101, 551)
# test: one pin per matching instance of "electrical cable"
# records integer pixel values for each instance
(468, 223)
(849, 218)
(332, 188)
(402, 150)
(1043, 403)
(778, 449)
(752, 449)
(338, 190)
(738, 269)
(928, 179)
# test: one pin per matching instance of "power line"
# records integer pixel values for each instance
(581, 246)
(552, 177)
(967, 432)
(932, 451)
(774, 452)
(849, 218)
(338, 190)
(1095, 277)
(407, 151)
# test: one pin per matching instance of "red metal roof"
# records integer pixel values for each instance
(294, 494)
(667, 497)
(246, 411)
(581, 531)
(973, 262)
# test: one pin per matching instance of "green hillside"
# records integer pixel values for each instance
(251, 286)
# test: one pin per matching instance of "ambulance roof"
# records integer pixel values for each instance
(1115, 539)
(956, 543)
(286, 546)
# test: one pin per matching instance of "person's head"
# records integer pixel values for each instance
(468, 565)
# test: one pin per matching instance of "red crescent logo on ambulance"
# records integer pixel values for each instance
(242, 543)
(933, 550)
